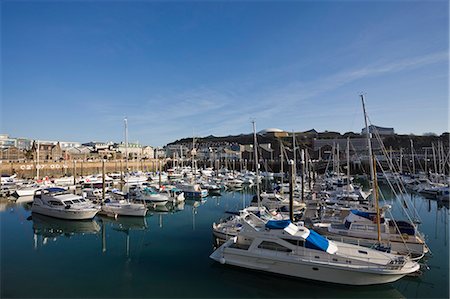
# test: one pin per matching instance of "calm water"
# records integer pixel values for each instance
(167, 255)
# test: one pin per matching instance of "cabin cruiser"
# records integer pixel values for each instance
(361, 227)
(275, 201)
(59, 203)
(192, 190)
(148, 195)
(280, 247)
(122, 207)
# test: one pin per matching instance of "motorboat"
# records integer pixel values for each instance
(279, 246)
(275, 201)
(192, 190)
(148, 195)
(59, 203)
(360, 227)
(122, 207)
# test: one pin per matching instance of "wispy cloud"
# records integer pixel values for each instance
(227, 108)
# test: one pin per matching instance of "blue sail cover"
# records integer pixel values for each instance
(316, 241)
(367, 215)
(55, 189)
(277, 224)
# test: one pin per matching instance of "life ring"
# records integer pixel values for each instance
(405, 236)
(22, 167)
(57, 166)
(52, 166)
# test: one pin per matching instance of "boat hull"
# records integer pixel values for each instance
(306, 270)
(65, 214)
(125, 210)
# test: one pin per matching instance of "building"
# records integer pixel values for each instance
(48, 151)
(12, 153)
(356, 144)
(148, 152)
(273, 132)
(6, 141)
(382, 131)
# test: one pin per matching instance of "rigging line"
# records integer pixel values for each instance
(396, 194)
(397, 180)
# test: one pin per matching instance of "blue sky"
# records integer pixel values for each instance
(73, 70)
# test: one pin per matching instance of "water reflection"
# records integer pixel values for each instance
(47, 228)
(124, 225)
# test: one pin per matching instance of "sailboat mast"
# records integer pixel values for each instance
(412, 157)
(372, 170)
(281, 166)
(348, 165)
(255, 145)
(38, 167)
(126, 143)
(369, 143)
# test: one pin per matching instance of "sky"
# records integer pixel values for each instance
(73, 70)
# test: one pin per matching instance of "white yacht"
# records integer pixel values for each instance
(275, 201)
(122, 207)
(149, 196)
(59, 203)
(284, 248)
(361, 227)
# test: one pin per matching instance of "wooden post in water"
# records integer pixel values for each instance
(291, 189)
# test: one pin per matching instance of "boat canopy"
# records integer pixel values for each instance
(277, 224)
(367, 215)
(55, 190)
(316, 241)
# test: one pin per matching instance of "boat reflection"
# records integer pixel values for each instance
(288, 287)
(49, 228)
(124, 225)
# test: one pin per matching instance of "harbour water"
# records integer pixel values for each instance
(166, 254)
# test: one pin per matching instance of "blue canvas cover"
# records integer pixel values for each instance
(55, 189)
(316, 241)
(367, 215)
(277, 224)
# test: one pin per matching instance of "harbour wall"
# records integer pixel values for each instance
(79, 168)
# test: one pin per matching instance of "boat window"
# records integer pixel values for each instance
(76, 201)
(55, 203)
(82, 200)
(68, 202)
(362, 251)
(295, 242)
(273, 246)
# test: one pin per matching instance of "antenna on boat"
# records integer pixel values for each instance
(255, 145)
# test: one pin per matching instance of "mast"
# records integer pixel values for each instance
(412, 157)
(434, 158)
(281, 166)
(348, 165)
(255, 145)
(401, 160)
(293, 151)
(372, 170)
(38, 167)
(126, 143)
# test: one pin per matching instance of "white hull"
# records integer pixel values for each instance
(136, 210)
(280, 263)
(64, 213)
(25, 192)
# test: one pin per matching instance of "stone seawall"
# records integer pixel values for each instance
(58, 169)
